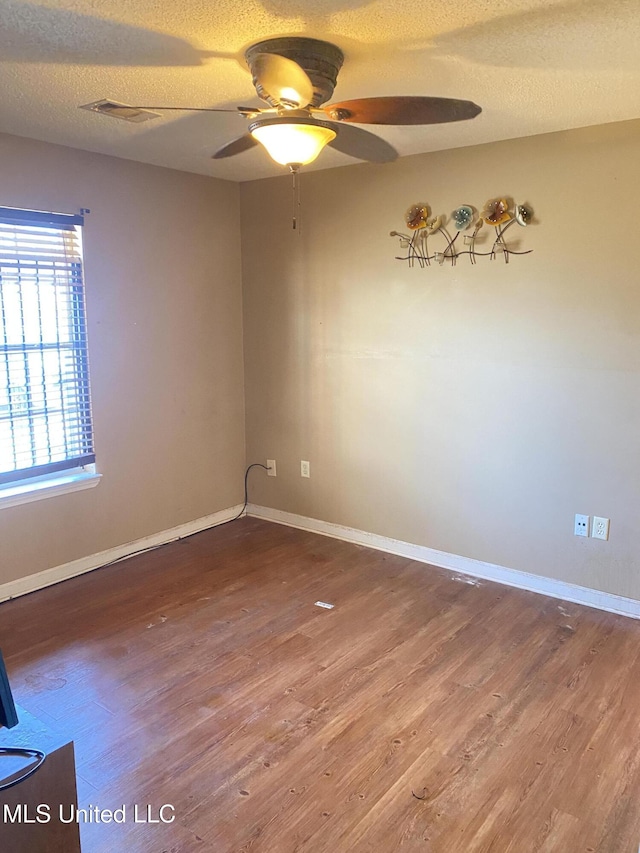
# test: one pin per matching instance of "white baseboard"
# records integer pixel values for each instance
(12, 589)
(453, 562)
(465, 565)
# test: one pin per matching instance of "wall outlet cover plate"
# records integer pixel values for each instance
(600, 528)
(581, 525)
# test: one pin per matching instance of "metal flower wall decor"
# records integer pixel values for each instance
(498, 213)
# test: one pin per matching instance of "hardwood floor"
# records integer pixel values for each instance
(423, 713)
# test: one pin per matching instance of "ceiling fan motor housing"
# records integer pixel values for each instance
(319, 59)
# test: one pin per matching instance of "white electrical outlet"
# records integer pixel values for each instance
(581, 525)
(305, 469)
(600, 528)
(271, 465)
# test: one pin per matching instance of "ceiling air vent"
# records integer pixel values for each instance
(117, 110)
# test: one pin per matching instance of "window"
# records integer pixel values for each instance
(45, 408)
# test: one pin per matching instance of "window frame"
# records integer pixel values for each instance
(75, 472)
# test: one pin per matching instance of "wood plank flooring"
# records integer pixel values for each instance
(423, 713)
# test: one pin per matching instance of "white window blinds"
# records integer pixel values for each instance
(45, 408)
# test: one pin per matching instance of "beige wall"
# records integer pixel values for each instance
(162, 270)
(472, 409)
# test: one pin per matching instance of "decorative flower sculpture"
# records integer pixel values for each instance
(423, 229)
(435, 224)
(524, 214)
(462, 217)
(496, 211)
(416, 216)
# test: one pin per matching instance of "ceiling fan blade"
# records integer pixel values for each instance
(279, 80)
(402, 110)
(241, 110)
(359, 143)
(236, 146)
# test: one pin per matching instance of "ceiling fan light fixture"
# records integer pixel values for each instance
(292, 140)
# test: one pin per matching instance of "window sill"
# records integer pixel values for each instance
(40, 488)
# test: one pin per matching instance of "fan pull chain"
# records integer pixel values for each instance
(294, 168)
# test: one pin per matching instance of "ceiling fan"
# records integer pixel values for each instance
(295, 76)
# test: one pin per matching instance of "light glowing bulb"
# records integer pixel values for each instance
(292, 141)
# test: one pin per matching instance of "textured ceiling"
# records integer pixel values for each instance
(533, 65)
